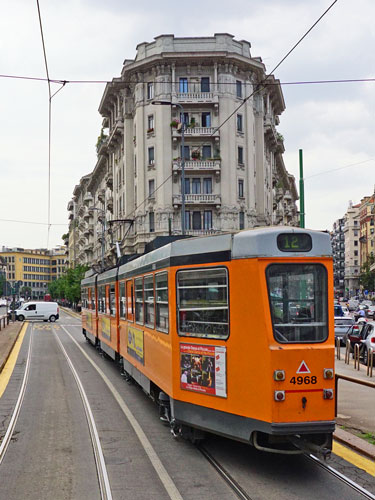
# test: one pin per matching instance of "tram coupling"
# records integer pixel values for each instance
(320, 450)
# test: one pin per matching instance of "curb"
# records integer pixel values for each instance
(355, 443)
(72, 313)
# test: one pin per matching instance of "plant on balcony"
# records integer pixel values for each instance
(196, 155)
(175, 123)
(192, 123)
(150, 130)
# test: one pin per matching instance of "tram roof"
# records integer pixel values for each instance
(251, 243)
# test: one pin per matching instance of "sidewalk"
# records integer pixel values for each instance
(8, 337)
(356, 407)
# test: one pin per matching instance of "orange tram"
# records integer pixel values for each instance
(230, 334)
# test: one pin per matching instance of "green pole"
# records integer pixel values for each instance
(301, 192)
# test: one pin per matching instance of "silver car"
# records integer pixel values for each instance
(342, 326)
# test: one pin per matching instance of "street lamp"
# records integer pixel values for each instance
(169, 103)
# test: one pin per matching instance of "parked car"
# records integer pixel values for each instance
(368, 340)
(370, 312)
(366, 302)
(342, 326)
(338, 310)
(353, 304)
(346, 311)
(356, 334)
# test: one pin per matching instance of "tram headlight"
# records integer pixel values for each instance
(328, 393)
(279, 375)
(328, 373)
(279, 396)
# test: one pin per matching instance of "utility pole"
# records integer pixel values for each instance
(301, 191)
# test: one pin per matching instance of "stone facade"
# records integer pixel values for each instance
(235, 177)
(352, 250)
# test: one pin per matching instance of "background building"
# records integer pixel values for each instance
(352, 250)
(338, 252)
(32, 270)
(235, 177)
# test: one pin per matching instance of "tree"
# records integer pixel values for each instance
(68, 286)
(26, 291)
(367, 277)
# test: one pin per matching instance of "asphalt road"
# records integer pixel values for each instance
(50, 455)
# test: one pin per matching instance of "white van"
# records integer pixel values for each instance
(38, 310)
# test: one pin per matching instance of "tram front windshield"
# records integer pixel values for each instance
(298, 301)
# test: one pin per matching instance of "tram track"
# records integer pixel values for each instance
(342, 477)
(242, 494)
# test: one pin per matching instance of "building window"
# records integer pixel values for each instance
(355, 233)
(151, 220)
(240, 155)
(187, 186)
(184, 118)
(207, 221)
(238, 88)
(161, 294)
(150, 123)
(207, 185)
(197, 220)
(206, 119)
(355, 253)
(187, 152)
(239, 123)
(150, 90)
(240, 188)
(196, 186)
(206, 152)
(139, 300)
(356, 262)
(355, 243)
(151, 188)
(151, 155)
(241, 217)
(187, 219)
(184, 85)
(205, 84)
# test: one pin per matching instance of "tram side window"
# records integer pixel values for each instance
(298, 299)
(93, 298)
(161, 294)
(122, 299)
(112, 300)
(84, 297)
(149, 301)
(203, 308)
(101, 299)
(139, 300)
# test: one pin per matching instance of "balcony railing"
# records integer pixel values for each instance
(197, 132)
(198, 165)
(195, 97)
(197, 199)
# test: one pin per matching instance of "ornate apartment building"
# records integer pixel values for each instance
(352, 250)
(211, 93)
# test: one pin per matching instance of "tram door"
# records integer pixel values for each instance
(130, 300)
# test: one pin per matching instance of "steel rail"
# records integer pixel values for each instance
(9, 433)
(235, 487)
(104, 485)
(362, 491)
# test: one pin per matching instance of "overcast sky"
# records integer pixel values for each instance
(89, 40)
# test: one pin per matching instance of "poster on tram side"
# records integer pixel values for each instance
(203, 369)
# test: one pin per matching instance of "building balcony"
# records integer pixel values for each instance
(197, 166)
(197, 132)
(102, 146)
(202, 232)
(109, 179)
(270, 134)
(88, 248)
(198, 199)
(116, 132)
(81, 210)
(195, 98)
(101, 195)
(110, 204)
(70, 205)
(88, 199)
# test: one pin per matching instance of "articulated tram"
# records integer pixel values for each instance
(231, 334)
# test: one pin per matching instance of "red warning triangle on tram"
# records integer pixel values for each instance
(303, 368)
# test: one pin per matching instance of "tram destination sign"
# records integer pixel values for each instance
(294, 242)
